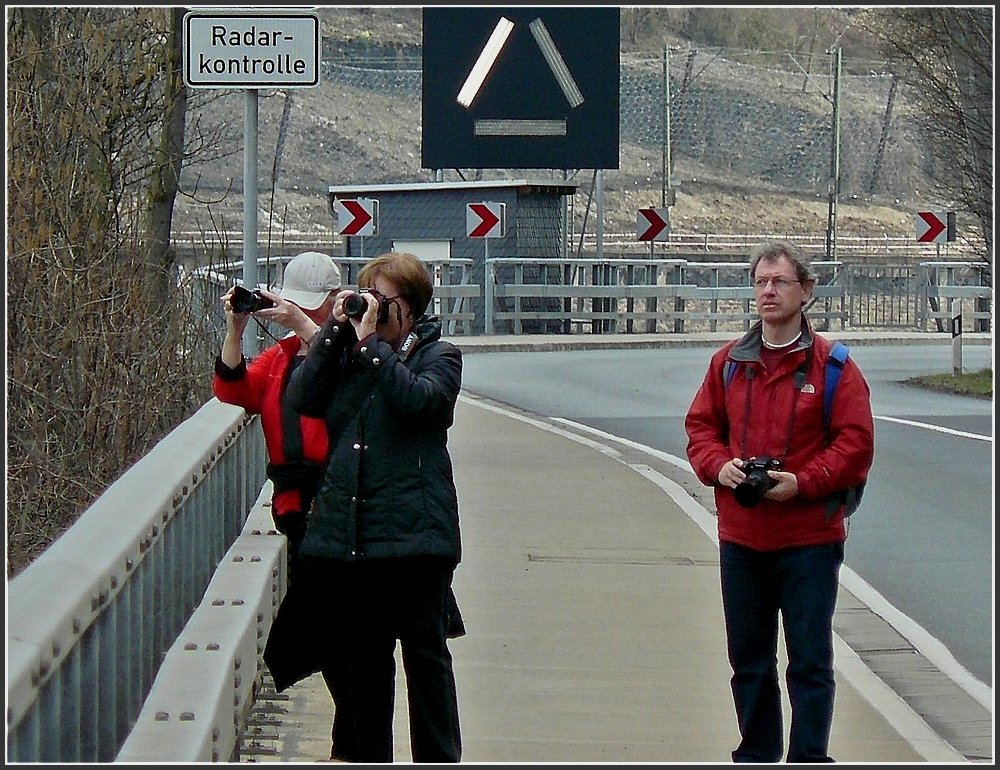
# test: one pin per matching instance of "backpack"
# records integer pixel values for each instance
(850, 497)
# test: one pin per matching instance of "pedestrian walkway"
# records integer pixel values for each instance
(595, 629)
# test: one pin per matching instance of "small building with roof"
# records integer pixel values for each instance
(431, 220)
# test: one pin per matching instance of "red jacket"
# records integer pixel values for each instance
(761, 415)
(258, 388)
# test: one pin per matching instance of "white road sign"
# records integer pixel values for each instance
(246, 49)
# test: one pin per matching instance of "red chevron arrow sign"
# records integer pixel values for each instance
(485, 220)
(652, 225)
(932, 226)
(356, 217)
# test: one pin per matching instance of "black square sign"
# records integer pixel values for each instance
(520, 88)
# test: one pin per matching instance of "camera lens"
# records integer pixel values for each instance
(750, 492)
(244, 301)
(355, 306)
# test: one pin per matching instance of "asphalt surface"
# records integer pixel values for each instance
(590, 591)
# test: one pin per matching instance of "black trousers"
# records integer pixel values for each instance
(801, 585)
(374, 604)
(303, 640)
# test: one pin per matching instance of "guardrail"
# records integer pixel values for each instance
(944, 282)
(201, 698)
(848, 247)
(519, 295)
(622, 295)
(90, 620)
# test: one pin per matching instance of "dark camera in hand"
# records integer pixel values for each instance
(355, 306)
(751, 490)
(245, 301)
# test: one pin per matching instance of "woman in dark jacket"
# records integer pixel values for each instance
(382, 539)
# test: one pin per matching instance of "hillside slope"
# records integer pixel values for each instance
(345, 134)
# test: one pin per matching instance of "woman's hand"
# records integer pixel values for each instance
(363, 326)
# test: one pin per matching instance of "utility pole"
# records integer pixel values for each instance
(834, 188)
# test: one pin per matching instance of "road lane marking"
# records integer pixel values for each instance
(928, 426)
(910, 725)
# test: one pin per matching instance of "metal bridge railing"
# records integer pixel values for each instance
(640, 294)
(200, 701)
(90, 621)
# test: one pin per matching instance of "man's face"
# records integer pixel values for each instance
(779, 294)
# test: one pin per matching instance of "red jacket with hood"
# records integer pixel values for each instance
(258, 388)
(763, 413)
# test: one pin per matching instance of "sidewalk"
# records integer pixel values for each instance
(595, 629)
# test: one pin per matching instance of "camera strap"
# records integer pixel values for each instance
(798, 382)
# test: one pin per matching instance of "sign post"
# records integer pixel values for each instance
(486, 220)
(956, 336)
(250, 48)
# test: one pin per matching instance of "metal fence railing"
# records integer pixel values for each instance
(620, 294)
(91, 619)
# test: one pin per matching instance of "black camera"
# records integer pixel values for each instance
(750, 491)
(245, 301)
(355, 306)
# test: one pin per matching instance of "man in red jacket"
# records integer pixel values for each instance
(779, 474)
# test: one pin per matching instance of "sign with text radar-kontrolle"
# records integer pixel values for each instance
(251, 48)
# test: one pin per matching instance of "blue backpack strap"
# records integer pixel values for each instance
(834, 367)
(850, 498)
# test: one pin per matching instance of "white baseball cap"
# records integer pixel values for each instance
(309, 278)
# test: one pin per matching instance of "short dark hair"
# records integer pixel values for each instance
(769, 251)
(407, 272)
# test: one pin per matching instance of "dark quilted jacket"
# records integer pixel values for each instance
(388, 490)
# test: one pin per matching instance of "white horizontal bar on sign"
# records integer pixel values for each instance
(520, 128)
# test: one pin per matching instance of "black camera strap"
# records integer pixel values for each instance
(798, 382)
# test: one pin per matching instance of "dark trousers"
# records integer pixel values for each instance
(330, 656)
(801, 584)
(377, 603)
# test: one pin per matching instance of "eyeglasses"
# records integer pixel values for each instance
(379, 296)
(384, 303)
(780, 283)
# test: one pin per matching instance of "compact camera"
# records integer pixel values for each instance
(750, 491)
(355, 306)
(246, 301)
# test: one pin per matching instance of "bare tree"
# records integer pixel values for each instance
(164, 180)
(945, 58)
(103, 357)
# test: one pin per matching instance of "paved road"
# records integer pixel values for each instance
(590, 590)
